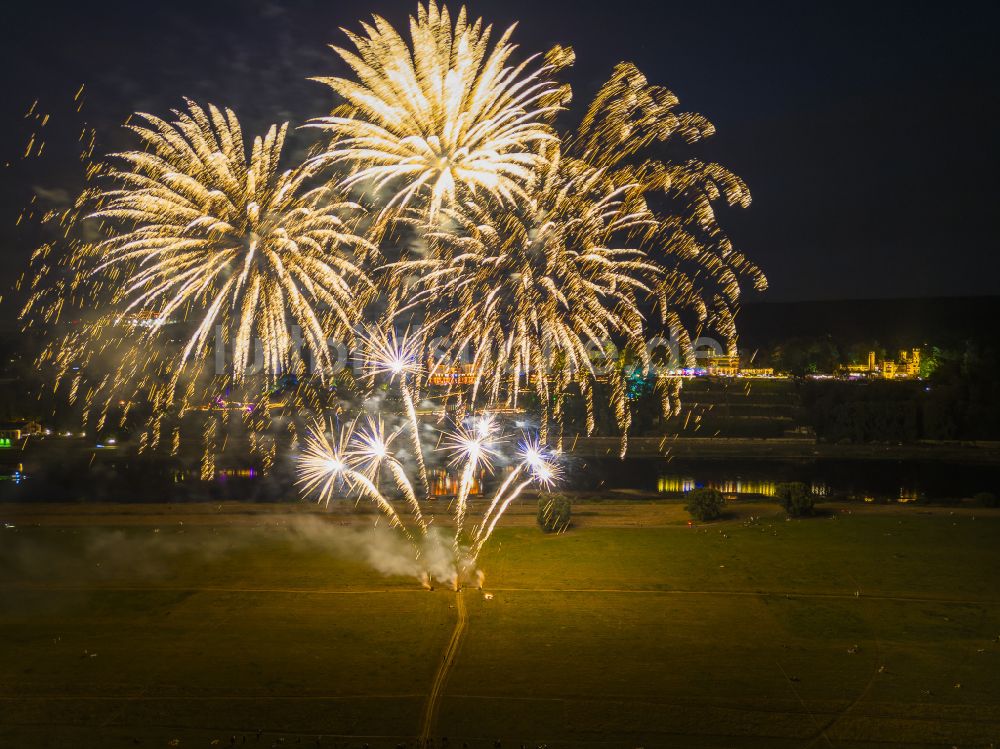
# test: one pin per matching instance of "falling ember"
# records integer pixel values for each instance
(398, 357)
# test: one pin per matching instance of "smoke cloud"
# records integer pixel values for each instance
(82, 555)
(381, 548)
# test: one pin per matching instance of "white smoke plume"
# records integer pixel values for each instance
(91, 554)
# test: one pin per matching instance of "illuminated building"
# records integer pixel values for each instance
(444, 483)
(729, 366)
(13, 431)
(445, 376)
(904, 366)
(722, 366)
(675, 484)
(731, 487)
(867, 369)
(910, 363)
(750, 487)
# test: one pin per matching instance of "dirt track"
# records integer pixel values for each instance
(441, 677)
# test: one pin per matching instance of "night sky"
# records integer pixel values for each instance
(866, 131)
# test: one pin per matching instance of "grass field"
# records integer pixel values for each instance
(864, 628)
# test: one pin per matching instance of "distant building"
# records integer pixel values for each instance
(722, 366)
(13, 431)
(910, 363)
(712, 365)
(730, 366)
(445, 483)
(904, 366)
(451, 376)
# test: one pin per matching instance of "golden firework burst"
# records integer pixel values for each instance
(203, 245)
(535, 292)
(443, 115)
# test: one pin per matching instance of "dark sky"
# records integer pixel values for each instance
(866, 131)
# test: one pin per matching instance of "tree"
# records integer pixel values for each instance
(796, 498)
(705, 503)
(807, 355)
(930, 360)
(986, 499)
(554, 511)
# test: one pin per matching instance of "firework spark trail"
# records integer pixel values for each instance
(368, 489)
(411, 412)
(398, 357)
(324, 464)
(514, 473)
(478, 545)
(471, 448)
(370, 450)
(461, 501)
(544, 471)
(403, 482)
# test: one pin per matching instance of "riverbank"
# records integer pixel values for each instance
(614, 509)
(785, 448)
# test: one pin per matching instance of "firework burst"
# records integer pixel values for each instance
(328, 465)
(443, 115)
(350, 463)
(209, 229)
(202, 243)
(348, 466)
(606, 249)
(537, 252)
(537, 291)
(701, 270)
